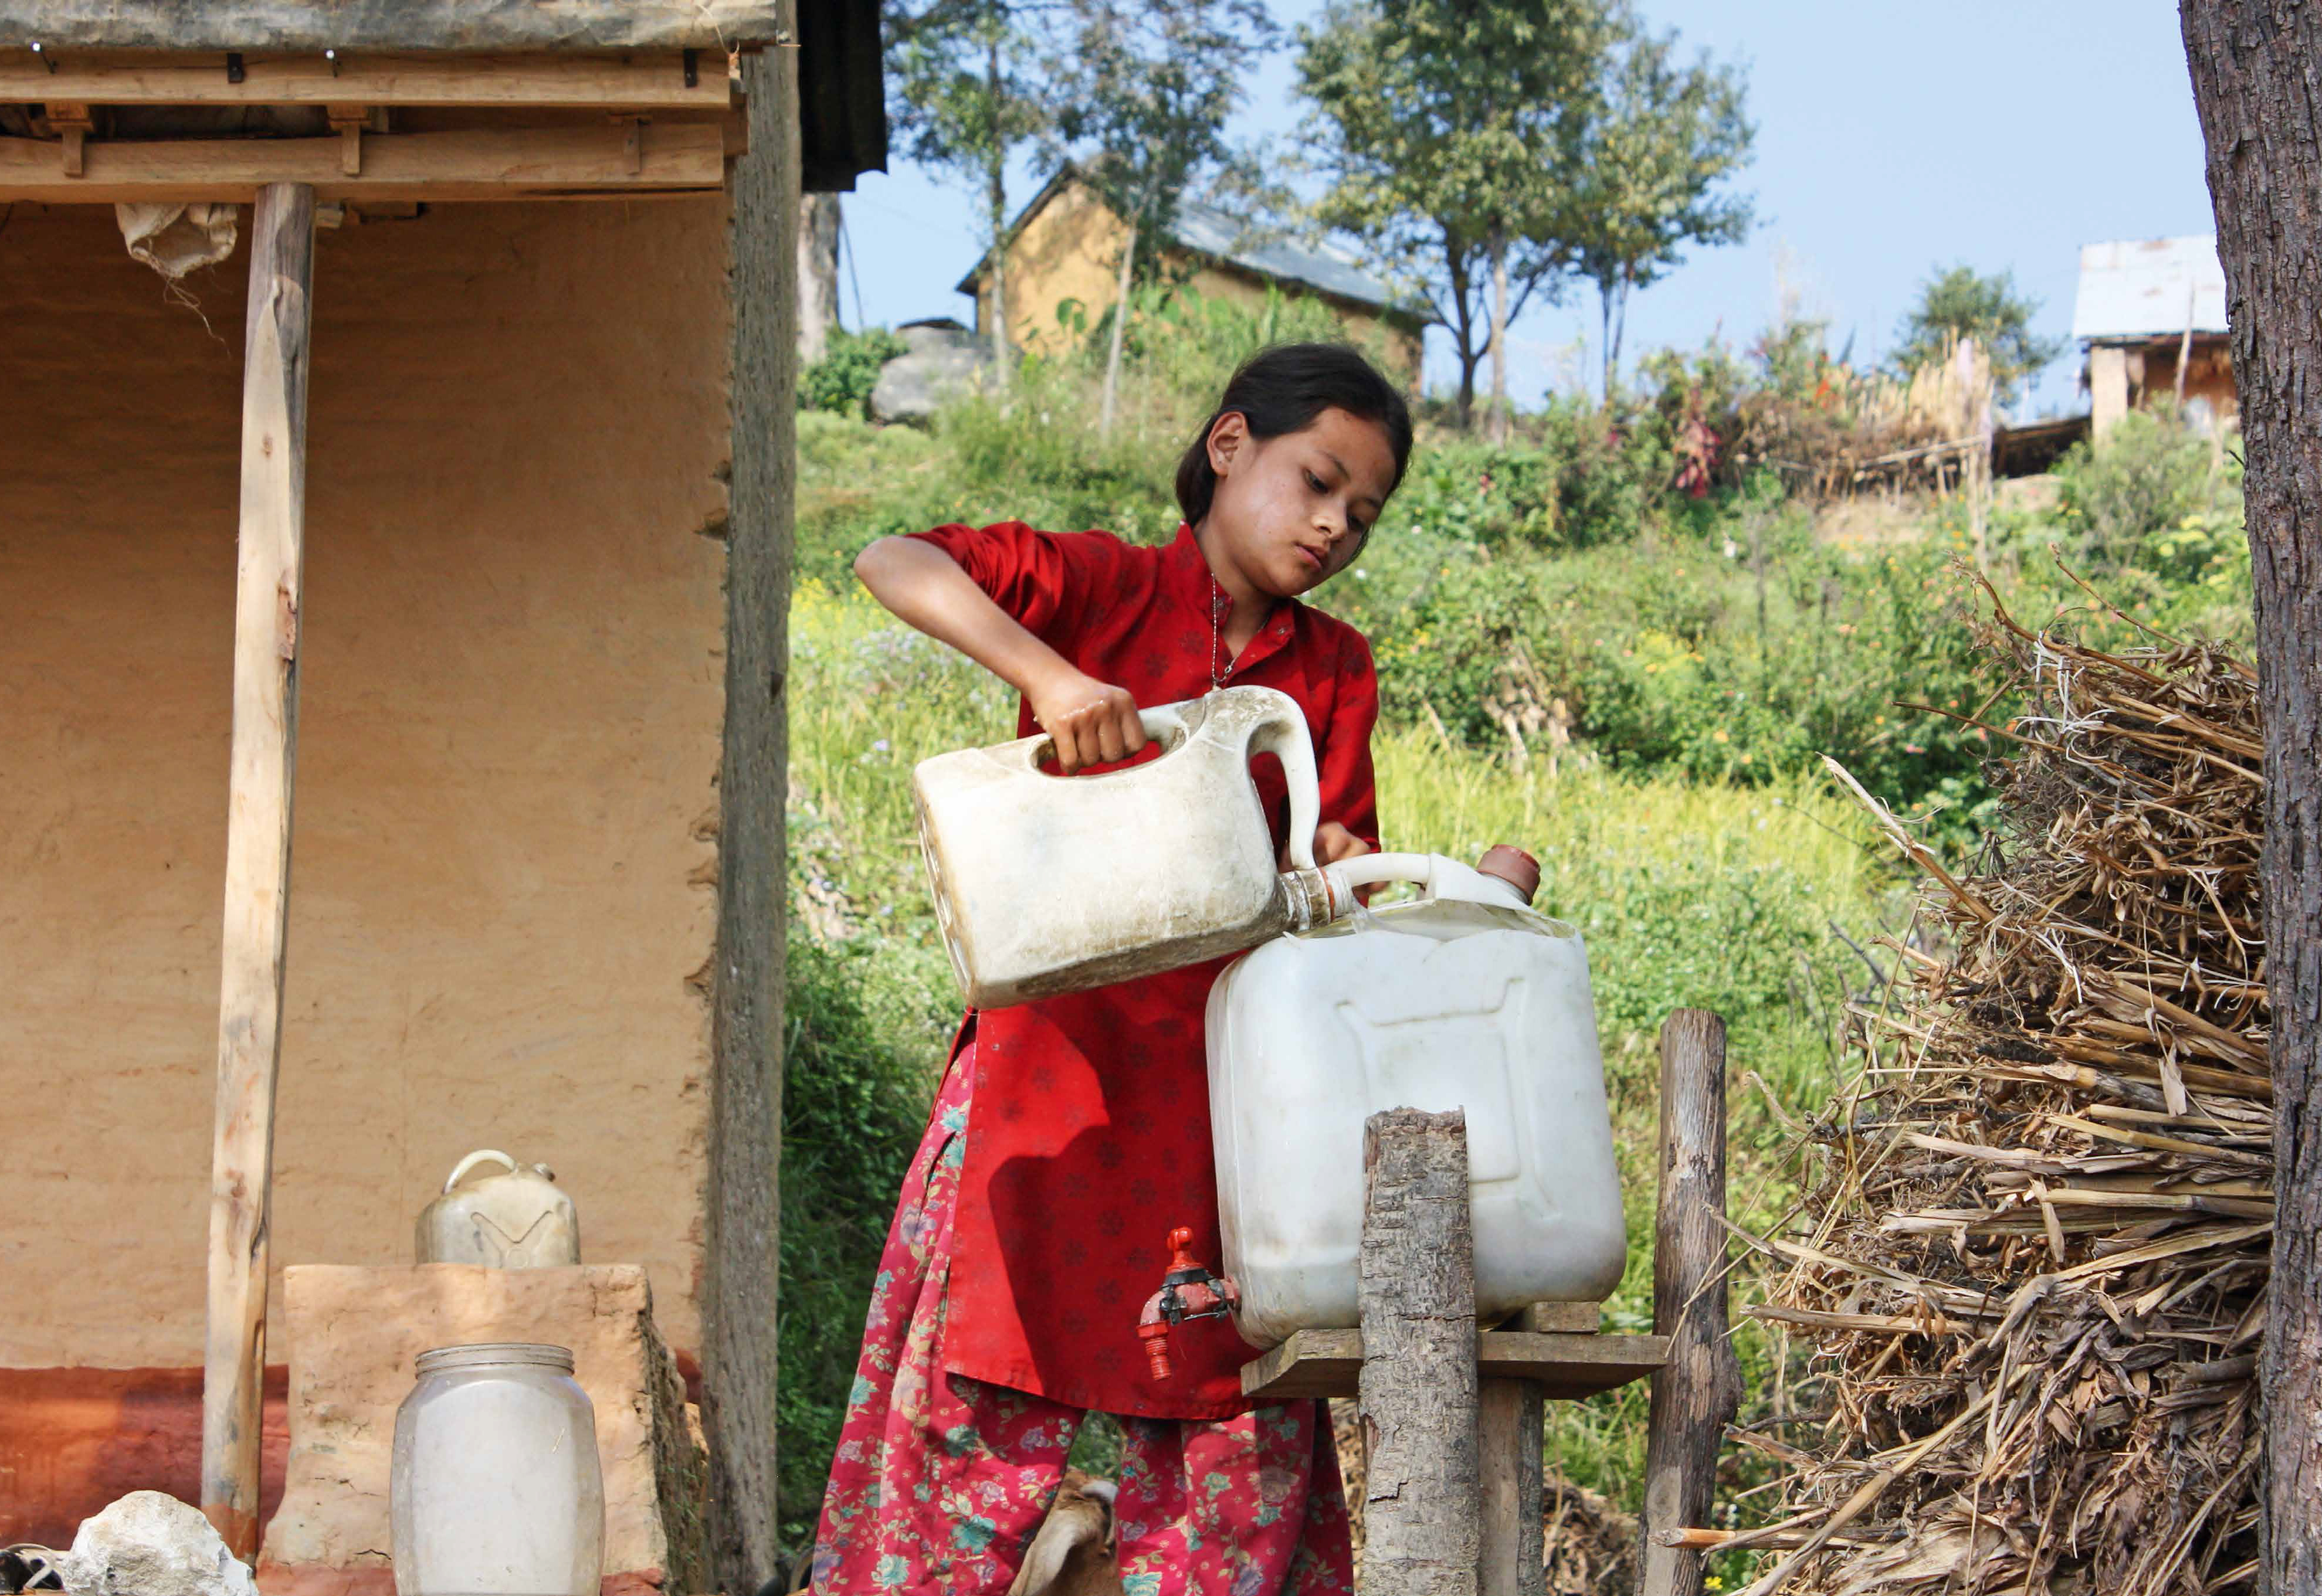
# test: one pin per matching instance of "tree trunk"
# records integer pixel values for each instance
(817, 274)
(1496, 428)
(995, 199)
(1604, 331)
(1120, 323)
(1620, 321)
(2253, 85)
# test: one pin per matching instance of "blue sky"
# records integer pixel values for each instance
(1891, 140)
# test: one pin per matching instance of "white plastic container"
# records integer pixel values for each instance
(1046, 884)
(1464, 999)
(516, 1219)
(495, 1489)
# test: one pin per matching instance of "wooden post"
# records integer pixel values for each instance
(266, 621)
(1698, 1394)
(1420, 1526)
(1509, 1417)
(742, 1246)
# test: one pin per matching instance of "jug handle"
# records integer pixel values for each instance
(481, 1155)
(1160, 721)
(1284, 735)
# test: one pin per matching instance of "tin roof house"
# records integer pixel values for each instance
(2152, 314)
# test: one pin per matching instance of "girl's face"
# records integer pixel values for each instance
(1291, 511)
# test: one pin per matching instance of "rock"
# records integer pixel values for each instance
(353, 1334)
(943, 361)
(151, 1544)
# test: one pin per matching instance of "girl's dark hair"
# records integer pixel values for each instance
(1282, 389)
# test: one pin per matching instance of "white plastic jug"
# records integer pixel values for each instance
(516, 1219)
(1047, 884)
(1463, 998)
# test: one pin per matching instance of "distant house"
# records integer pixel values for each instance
(1064, 247)
(2144, 306)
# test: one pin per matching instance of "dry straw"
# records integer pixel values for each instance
(2033, 1259)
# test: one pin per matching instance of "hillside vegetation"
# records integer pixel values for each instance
(1632, 681)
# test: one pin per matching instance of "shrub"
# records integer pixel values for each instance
(842, 381)
(2156, 495)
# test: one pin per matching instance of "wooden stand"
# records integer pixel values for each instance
(1453, 1498)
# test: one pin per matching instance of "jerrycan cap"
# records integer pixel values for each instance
(1512, 865)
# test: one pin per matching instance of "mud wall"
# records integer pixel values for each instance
(504, 848)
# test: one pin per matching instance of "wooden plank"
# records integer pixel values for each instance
(742, 1209)
(266, 636)
(1560, 1318)
(1508, 1420)
(1567, 1367)
(654, 81)
(1421, 1526)
(512, 163)
(1698, 1394)
(289, 25)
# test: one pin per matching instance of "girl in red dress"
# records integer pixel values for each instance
(1070, 1135)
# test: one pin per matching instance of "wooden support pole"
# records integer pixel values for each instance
(1508, 1421)
(266, 622)
(1698, 1394)
(1417, 1296)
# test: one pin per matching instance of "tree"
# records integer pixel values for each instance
(2252, 63)
(962, 98)
(1961, 304)
(1450, 133)
(1143, 91)
(818, 274)
(1667, 138)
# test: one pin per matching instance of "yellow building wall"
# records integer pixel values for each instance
(1070, 250)
(511, 694)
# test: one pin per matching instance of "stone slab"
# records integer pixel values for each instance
(390, 24)
(354, 1333)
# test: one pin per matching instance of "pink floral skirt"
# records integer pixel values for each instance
(941, 1480)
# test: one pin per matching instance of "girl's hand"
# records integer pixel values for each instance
(1090, 721)
(1333, 843)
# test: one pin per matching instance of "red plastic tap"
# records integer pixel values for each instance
(1188, 1291)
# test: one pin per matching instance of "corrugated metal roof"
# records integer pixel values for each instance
(2144, 287)
(1323, 266)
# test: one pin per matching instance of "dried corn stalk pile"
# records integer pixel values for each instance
(2035, 1262)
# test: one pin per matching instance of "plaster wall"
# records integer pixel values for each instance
(504, 850)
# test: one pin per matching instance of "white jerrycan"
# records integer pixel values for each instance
(1045, 885)
(516, 1219)
(1464, 999)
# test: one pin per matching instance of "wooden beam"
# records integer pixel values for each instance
(655, 80)
(1422, 1525)
(512, 163)
(1697, 1395)
(266, 637)
(742, 1245)
(1567, 1366)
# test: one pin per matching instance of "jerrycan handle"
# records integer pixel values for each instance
(481, 1155)
(1434, 875)
(1283, 735)
(1164, 723)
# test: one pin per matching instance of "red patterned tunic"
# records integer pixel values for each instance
(1090, 1137)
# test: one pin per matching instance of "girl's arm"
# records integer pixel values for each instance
(1091, 721)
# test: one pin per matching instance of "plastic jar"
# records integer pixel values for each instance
(496, 1489)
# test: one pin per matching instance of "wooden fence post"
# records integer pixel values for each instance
(266, 623)
(1698, 1394)
(1421, 1528)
